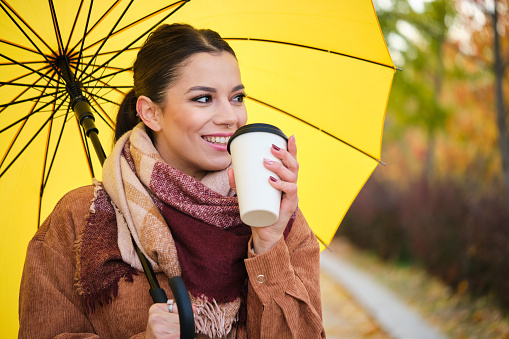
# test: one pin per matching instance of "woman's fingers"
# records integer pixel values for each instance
(231, 179)
(292, 147)
(289, 169)
(286, 186)
(162, 323)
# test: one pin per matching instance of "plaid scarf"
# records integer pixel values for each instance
(182, 225)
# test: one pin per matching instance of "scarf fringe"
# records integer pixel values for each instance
(210, 318)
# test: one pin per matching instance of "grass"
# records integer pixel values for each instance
(455, 313)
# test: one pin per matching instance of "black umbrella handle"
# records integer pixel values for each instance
(185, 308)
(179, 290)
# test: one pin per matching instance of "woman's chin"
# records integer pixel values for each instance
(219, 165)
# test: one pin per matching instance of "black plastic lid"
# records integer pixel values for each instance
(256, 128)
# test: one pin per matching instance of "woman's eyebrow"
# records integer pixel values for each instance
(211, 89)
(201, 88)
(238, 87)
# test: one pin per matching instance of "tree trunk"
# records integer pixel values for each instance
(500, 105)
(429, 165)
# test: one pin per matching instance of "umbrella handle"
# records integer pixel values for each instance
(184, 306)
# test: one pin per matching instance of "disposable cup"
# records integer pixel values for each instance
(259, 202)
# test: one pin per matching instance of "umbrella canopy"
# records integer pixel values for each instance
(316, 69)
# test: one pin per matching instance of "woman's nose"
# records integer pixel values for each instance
(226, 114)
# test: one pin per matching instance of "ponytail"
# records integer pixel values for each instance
(127, 116)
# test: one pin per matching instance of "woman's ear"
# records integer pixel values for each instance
(149, 113)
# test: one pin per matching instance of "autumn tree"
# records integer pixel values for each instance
(416, 40)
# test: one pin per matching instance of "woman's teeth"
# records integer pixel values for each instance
(217, 140)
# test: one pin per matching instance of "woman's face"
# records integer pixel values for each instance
(207, 97)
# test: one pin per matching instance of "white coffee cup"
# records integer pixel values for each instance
(259, 202)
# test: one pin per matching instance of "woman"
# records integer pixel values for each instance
(167, 185)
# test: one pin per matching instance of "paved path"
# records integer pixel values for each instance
(385, 315)
(343, 317)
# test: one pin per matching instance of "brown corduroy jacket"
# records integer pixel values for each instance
(285, 305)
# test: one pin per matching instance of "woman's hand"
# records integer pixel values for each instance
(264, 238)
(162, 323)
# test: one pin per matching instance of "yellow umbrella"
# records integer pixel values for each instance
(316, 69)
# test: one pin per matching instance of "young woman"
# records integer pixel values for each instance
(167, 185)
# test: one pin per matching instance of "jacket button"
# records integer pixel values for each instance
(260, 279)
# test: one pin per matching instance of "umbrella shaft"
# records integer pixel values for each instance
(97, 146)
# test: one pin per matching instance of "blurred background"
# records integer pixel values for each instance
(442, 201)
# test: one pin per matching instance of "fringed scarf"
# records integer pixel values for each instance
(183, 226)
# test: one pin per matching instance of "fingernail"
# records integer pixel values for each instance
(275, 147)
(268, 161)
(273, 179)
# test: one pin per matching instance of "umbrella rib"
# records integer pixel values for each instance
(26, 146)
(107, 100)
(108, 52)
(316, 127)
(18, 46)
(45, 67)
(112, 68)
(136, 22)
(107, 36)
(26, 85)
(105, 76)
(19, 95)
(22, 65)
(56, 147)
(356, 148)
(25, 34)
(138, 38)
(110, 122)
(25, 63)
(28, 99)
(73, 27)
(85, 32)
(31, 113)
(101, 82)
(56, 27)
(110, 87)
(22, 92)
(105, 84)
(313, 48)
(323, 242)
(8, 150)
(41, 187)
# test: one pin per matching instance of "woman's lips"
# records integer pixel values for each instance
(217, 140)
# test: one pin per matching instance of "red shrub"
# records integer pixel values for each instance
(457, 236)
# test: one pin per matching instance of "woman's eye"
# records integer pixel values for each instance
(203, 99)
(239, 97)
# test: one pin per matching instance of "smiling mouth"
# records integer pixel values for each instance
(223, 141)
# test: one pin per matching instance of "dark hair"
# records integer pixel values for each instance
(158, 63)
